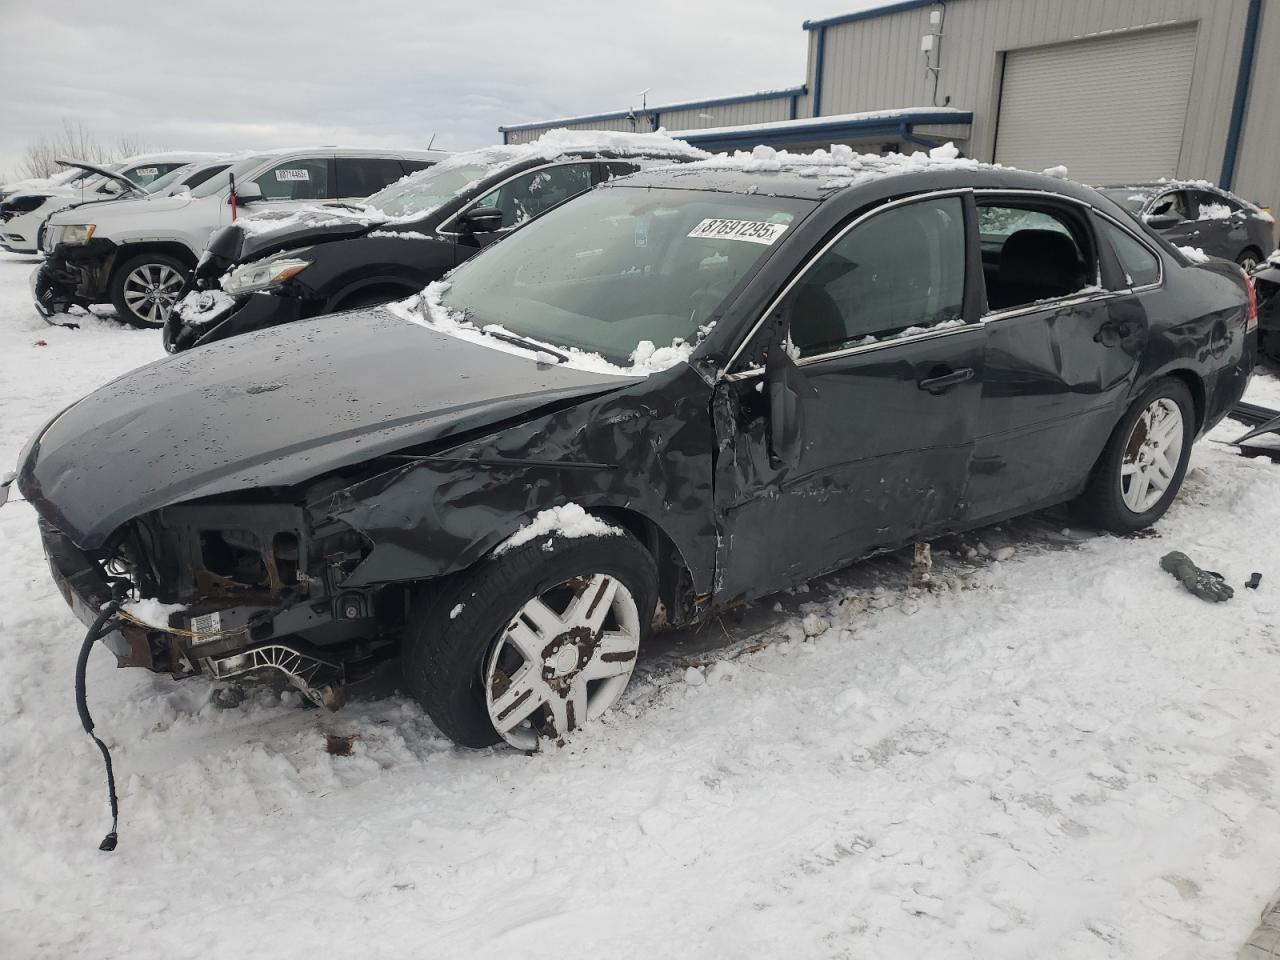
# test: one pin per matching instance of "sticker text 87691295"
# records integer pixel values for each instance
(752, 231)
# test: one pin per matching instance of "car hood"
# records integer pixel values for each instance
(279, 229)
(275, 408)
(110, 205)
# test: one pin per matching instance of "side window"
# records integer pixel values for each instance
(1031, 254)
(898, 273)
(413, 166)
(200, 176)
(148, 172)
(616, 168)
(361, 176)
(1139, 263)
(1176, 203)
(528, 195)
(301, 179)
(1213, 206)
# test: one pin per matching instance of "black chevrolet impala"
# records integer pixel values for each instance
(682, 390)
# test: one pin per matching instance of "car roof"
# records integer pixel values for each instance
(822, 175)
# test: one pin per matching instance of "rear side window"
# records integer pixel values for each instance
(899, 273)
(1031, 254)
(301, 179)
(530, 194)
(413, 166)
(361, 176)
(1213, 206)
(616, 168)
(1141, 266)
(200, 176)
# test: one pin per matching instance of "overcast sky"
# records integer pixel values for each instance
(237, 75)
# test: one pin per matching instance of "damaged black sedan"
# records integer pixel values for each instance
(678, 392)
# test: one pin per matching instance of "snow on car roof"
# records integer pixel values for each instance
(559, 142)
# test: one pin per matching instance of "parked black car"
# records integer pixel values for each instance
(1199, 215)
(262, 272)
(694, 386)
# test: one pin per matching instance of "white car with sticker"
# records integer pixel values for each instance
(137, 254)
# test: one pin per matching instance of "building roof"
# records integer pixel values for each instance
(872, 124)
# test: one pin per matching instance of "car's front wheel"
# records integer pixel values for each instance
(1141, 469)
(1249, 259)
(146, 287)
(531, 643)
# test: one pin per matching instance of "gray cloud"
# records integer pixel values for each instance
(239, 75)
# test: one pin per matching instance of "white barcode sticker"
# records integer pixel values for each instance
(146, 172)
(300, 173)
(207, 623)
(752, 231)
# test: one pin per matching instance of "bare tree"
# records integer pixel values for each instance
(74, 141)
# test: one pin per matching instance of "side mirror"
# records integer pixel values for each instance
(481, 220)
(111, 186)
(247, 192)
(1162, 221)
(786, 386)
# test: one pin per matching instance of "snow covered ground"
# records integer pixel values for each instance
(1067, 756)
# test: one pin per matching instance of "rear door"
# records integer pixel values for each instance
(1182, 206)
(889, 347)
(1221, 225)
(1061, 353)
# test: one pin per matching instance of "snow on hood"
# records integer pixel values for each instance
(841, 166)
(428, 310)
(271, 221)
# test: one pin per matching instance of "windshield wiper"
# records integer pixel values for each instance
(527, 344)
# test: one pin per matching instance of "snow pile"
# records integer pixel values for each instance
(841, 166)
(1059, 172)
(400, 234)
(428, 310)
(1195, 254)
(313, 215)
(568, 522)
(151, 612)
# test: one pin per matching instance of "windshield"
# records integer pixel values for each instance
(220, 182)
(1131, 198)
(425, 191)
(619, 266)
(159, 183)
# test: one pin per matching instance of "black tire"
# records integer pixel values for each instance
(442, 656)
(160, 265)
(1102, 504)
(1249, 258)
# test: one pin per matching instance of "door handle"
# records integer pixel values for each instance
(945, 381)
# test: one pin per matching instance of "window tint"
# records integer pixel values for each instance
(616, 168)
(1213, 206)
(360, 176)
(1031, 254)
(413, 166)
(1139, 263)
(900, 272)
(528, 195)
(301, 179)
(200, 176)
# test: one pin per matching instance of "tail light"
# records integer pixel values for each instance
(1251, 311)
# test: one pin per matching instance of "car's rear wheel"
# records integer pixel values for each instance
(1249, 259)
(532, 643)
(146, 287)
(1141, 468)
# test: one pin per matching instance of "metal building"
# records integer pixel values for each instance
(1116, 90)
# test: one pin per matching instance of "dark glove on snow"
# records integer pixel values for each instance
(1203, 583)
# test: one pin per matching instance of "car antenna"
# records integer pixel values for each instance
(432, 140)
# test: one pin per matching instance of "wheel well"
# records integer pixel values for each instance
(176, 250)
(1196, 386)
(371, 293)
(675, 581)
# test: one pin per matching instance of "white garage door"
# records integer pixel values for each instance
(1112, 110)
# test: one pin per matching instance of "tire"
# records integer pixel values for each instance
(1249, 258)
(146, 287)
(1110, 503)
(460, 658)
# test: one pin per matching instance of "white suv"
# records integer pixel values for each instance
(23, 211)
(137, 254)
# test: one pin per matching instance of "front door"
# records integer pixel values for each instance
(894, 372)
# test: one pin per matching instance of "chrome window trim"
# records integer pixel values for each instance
(808, 264)
(990, 316)
(457, 214)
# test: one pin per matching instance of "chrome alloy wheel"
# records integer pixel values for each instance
(1151, 455)
(564, 658)
(151, 290)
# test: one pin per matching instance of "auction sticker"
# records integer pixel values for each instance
(302, 173)
(752, 231)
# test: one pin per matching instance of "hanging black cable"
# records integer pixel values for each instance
(108, 611)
